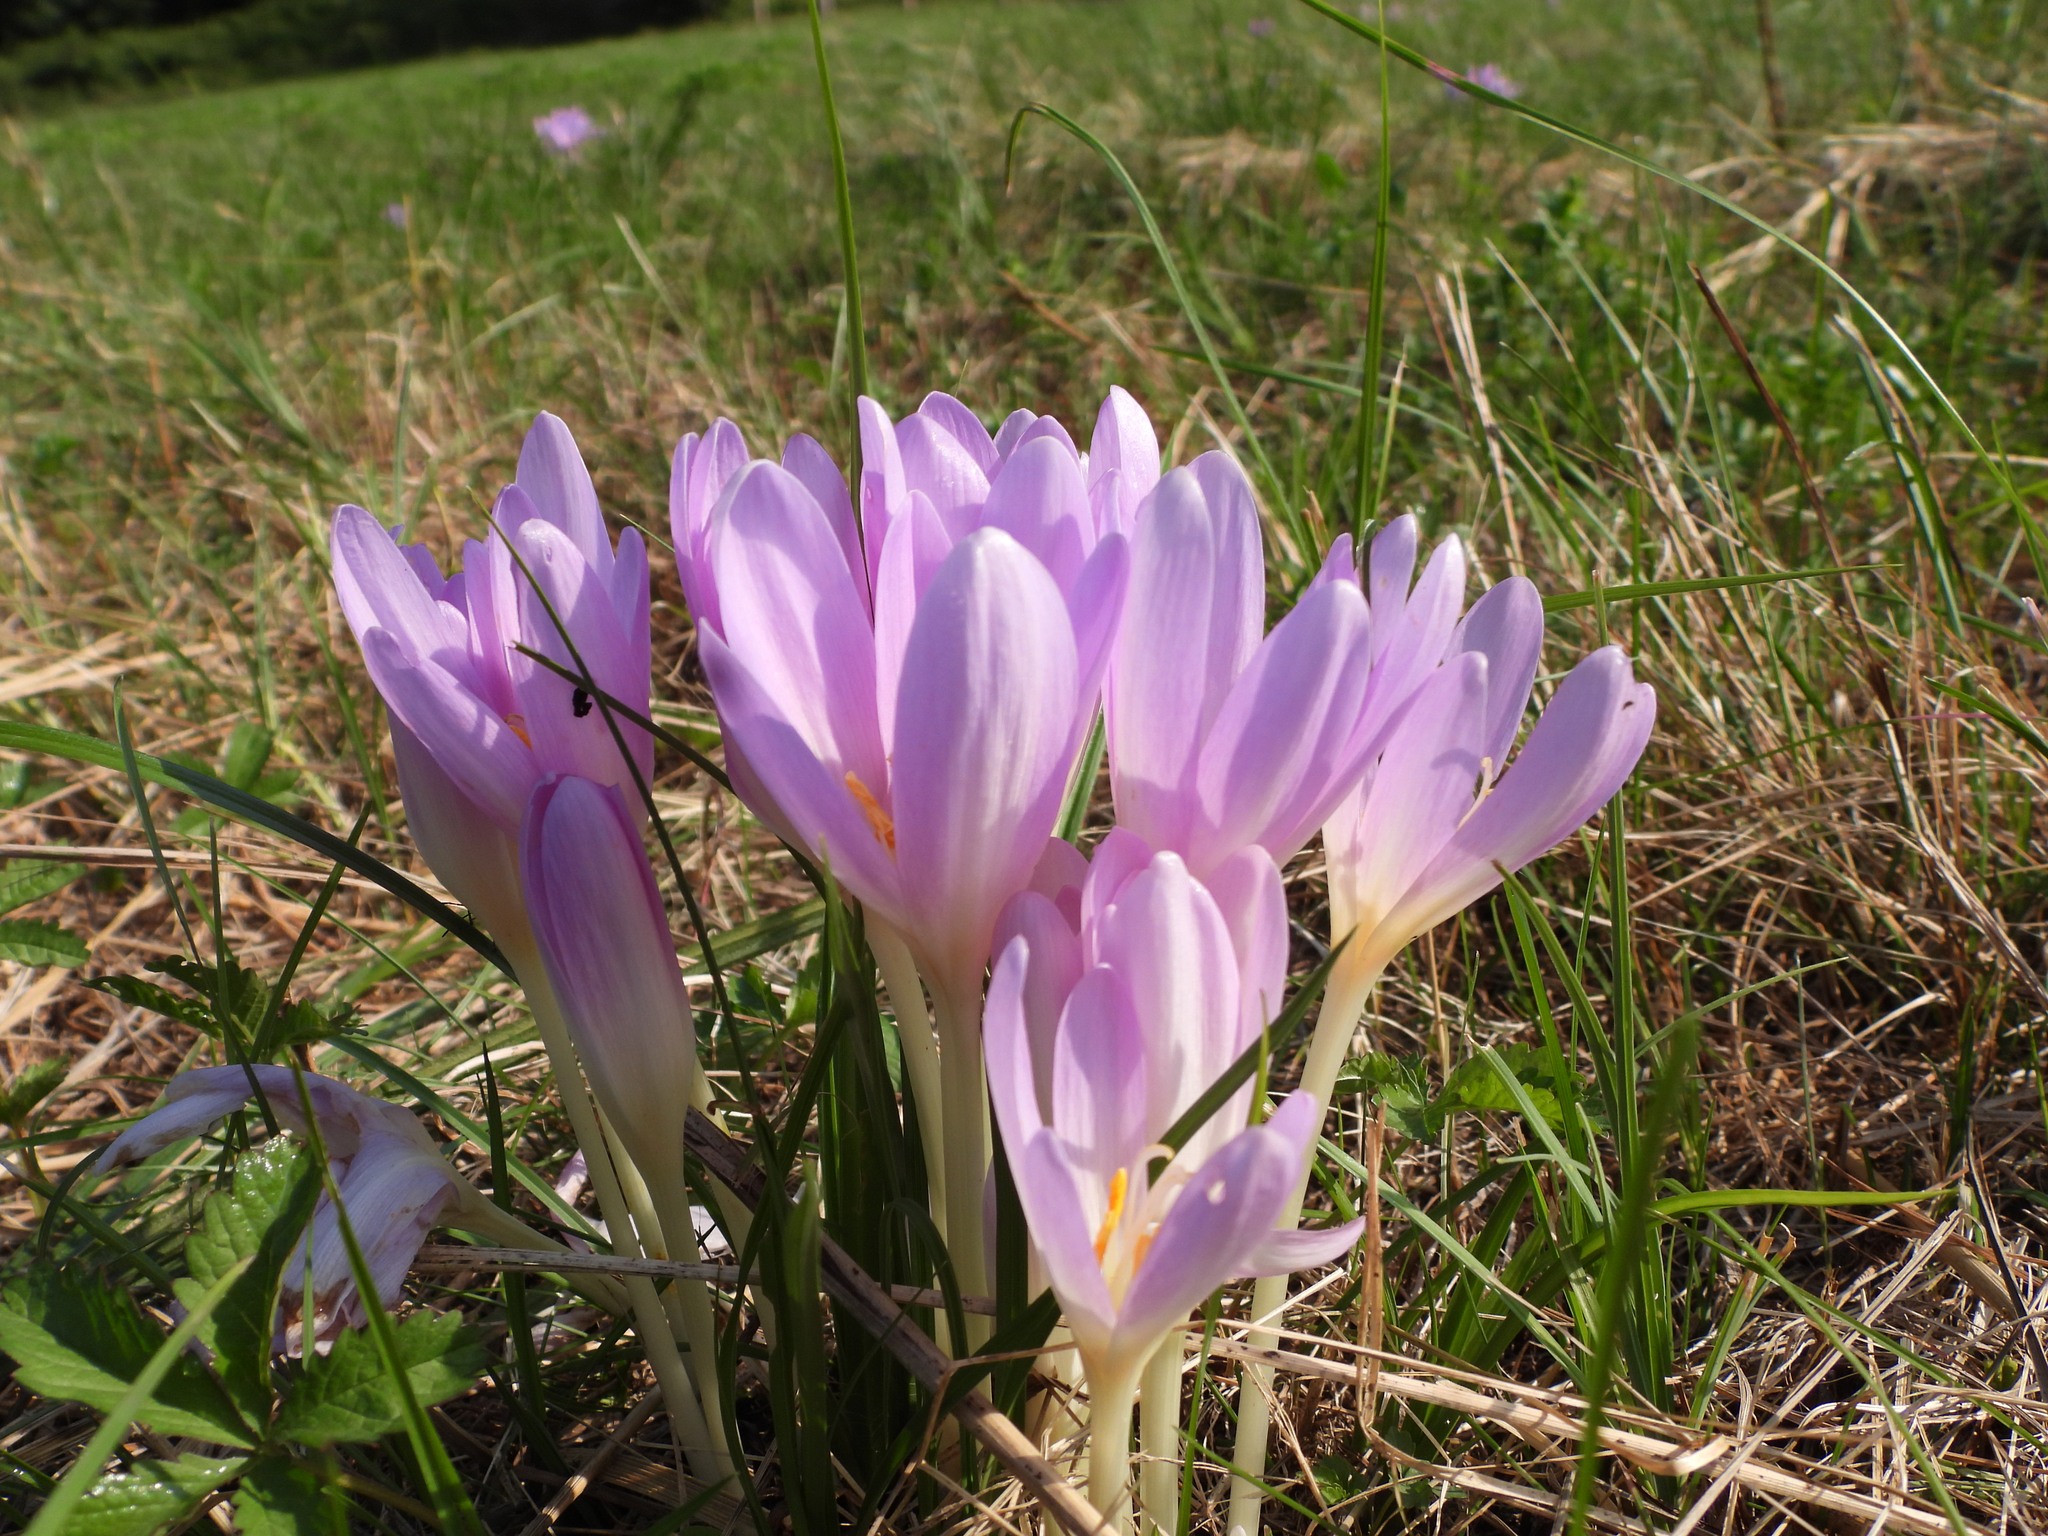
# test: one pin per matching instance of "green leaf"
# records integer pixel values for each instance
(347, 1395)
(25, 880)
(287, 1498)
(1399, 1082)
(260, 1216)
(29, 941)
(303, 1022)
(149, 1496)
(32, 1084)
(138, 993)
(74, 1336)
(1476, 1084)
(238, 996)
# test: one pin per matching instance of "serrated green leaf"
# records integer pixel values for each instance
(346, 1394)
(286, 1498)
(149, 1496)
(32, 1084)
(29, 941)
(304, 1022)
(77, 1338)
(238, 997)
(1476, 1084)
(260, 1216)
(138, 993)
(25, 880)
(1399, 1082)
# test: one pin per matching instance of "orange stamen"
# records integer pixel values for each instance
(878, 819)
(1119, 1187)
(518, 725)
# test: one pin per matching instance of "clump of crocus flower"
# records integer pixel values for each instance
(905, 671)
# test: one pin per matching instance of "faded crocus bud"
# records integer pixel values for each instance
(603, 934)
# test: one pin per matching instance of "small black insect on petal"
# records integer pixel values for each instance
(580, 702)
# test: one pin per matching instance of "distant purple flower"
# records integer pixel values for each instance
(397, 215)
(1488, 77)
(1260, 26)
(566, 130)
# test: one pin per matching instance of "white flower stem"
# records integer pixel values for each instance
(690, 1303)
(958, 1009)
(704, 1457)
(1159, 1423)
(1336, 1022)
(920, 1053)
(1109, 1446)
(481, 1218)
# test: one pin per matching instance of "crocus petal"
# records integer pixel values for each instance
(1125, 445)
(1339, 564)
(1100, 1069)
(700, 471)
(984, 724)
(794, 615)
(1192, 618)
(1295, 1121)
(380, 588)
(1422, 789)
(1210, 1235)
(472, 743)
(199, 1096)
(1032, 918)
(1281, 753)
(490, 594)
(1017, 1041)
(1411, 638)
(1248, 892)
(935, 462)
(563, 599)
(1390, 564)
(1063, 1231)
(1506, 627)
(469, 850)
(1170, 947)
(1038, 499)
(882, 486)
(1096, 605)
(603, 935)
(1586, 743)
(553, 474)
(805, 457)
(797, 790)
(963, 426)
(917, 546)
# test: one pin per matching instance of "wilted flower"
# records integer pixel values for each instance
(1221, 736)
(475, 724)
(1101, 1033)
(393, 1181)
(566, 130)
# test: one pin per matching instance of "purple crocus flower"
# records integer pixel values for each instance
(603, 935)
(566, 130)
(1488, 77)
(1444, 810)
(392, 1179)
(475, 724)
(397, 215)
(1221, 736)
(1101, 1033)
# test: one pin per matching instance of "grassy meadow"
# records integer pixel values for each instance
(1803, 952)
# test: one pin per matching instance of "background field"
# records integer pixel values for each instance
(221, 315)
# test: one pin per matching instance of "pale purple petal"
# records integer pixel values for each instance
(380, 588)
(1125, 445)
(984, 724)
(796, 618)
(552, 473)
(1096, 606)
(882, 486)
(1281, 753)
(1192, 619)
(1505, 626)
(1101, 1070)
(566, 727)
(936, 462)
(1248, 892)
(963, 426)
(1038, 499)
(805, 457)
(470, 851)
(1054, 971)
(1339, 564)
(472, 743)
(917, 545)
(1587, 741)
(798, 791)
(1062, 1223)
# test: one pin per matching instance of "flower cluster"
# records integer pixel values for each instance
(907, 674)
